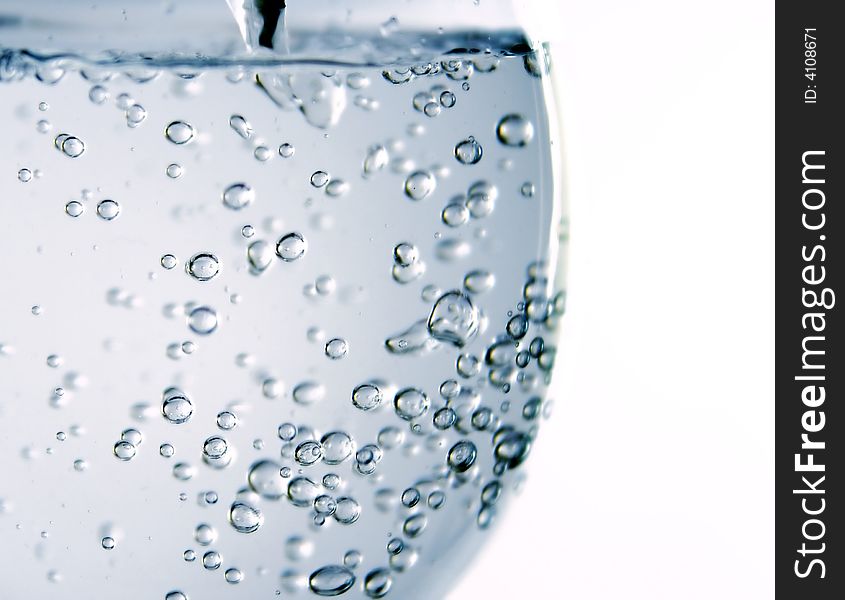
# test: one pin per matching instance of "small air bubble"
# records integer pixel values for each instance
(108, 210)
(179, 132)
(286, 150)
(135, 115)
(238, 196)
(469, 151)
(240, 126)
(319, 179)
(74, 208)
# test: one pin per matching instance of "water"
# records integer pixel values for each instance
(269, 330)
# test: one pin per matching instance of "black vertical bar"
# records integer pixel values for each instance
(810, 225)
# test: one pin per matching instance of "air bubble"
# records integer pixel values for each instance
(98, 94)
(244, 517)
(411, 403)
(212, 560)
(419, 185)
(179, 132)
(238, 196)
(174, 171)
(203, 266)
(347, 510)
(262, 153)
(454, 319)
(215, 452)
(202, 320)
(432, 109)
(233, 576)
(291, 247)
(332, 580)
(135, 115)
(72, 147)
(124, 450)
(265, 479)
(108, 210)
(226, 420)
(74, 208)
(308, 392)
(123, 101)
(479, 281)
(515, 130)
(455, 214)
(377, 583)
(302, 491)
(376, 159)
(469, 151)
(527, 189)
(336, 188)
(336, 447)
(168, 261)
(176, 406)
(319, 179)
(367, 396)
(240, 126)
(286, 150)
(337, 348)
(462, 456)
(308, 452)
(447, 99)
(260, 256)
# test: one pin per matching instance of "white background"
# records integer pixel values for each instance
(654, 477)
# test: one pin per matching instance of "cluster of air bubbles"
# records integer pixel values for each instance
(476, 433)
(478, 203)
(69, 145)
(126, 447)
(407, 264)
(332, 187)
(432, 101)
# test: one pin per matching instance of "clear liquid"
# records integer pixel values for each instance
(269, 340)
